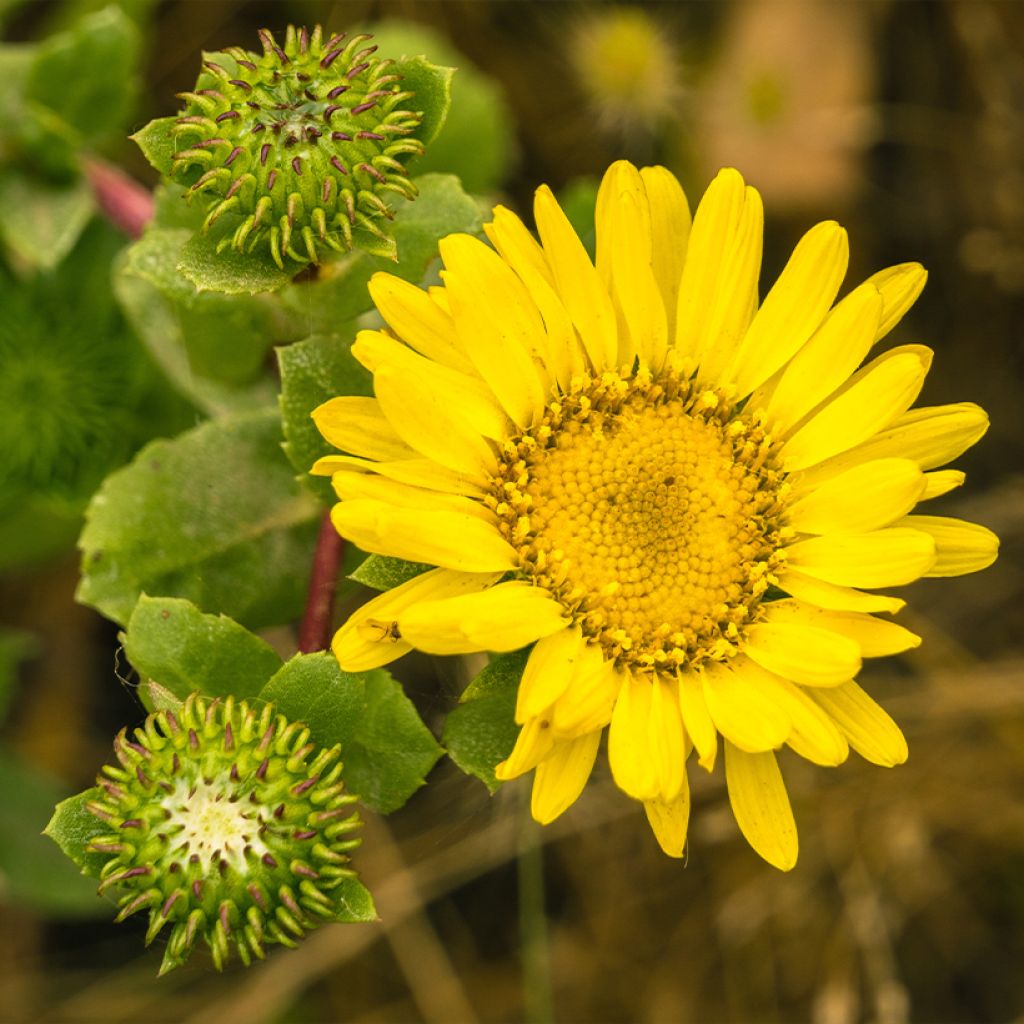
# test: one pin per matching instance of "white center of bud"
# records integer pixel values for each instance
(207, 819)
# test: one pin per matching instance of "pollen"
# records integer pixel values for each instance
(652, 512)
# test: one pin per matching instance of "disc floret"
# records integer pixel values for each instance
(298, 148)
(652, 509)
(226, 823)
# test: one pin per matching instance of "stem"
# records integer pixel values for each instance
(315, 631)
(121, 199)
(538, 1002)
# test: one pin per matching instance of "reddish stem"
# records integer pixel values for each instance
(315, 631)
(121, 199)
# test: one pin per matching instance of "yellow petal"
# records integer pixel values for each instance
(415, 472)
(960, 547)
(418, 320)
(352, 484)
(504, 618)
(869, 729)
(862, 498)
(723, 250)
(561, 776)
(697, 719)
(794, 308)
(931, 436)
(358, 425)
(805, 654)
(370, 637)
(629, 753)
(665, 741)
(882, 558)
(430, 419)
(834, 351)
(669, 821)
(742, 707)
(533, 744)
(759, 802)
(578, 284)
(474, 400)
(451, 540)
(590, 697)
(549, 670)
(624, 233)
(519, 249)
(830, 595)
(670, 232)
(874, 397)
(731, 306)
(876, 638)
(940, 482)
(498, 326)
(899, 287)
(813, 735)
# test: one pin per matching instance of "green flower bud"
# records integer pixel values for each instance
(299, 147)
(226, 823)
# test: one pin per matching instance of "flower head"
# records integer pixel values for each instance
(683, 497)
(228, 825)
(298, 147)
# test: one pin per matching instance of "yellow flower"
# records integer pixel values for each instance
(683, 497)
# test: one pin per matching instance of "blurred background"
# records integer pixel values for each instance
(904, 121)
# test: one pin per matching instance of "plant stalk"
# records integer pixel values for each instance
(315, 630)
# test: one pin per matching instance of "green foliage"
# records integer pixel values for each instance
(214, 516)
(232, 272)
(340, 295)
(41, 220)
(72, 826)
(87, 75)
(173, 643)
(481, 732)
(32, 870)
(355, 902)
(213, 347)
(386, 749)
(78, 393)
(476, 141)
(382, 572)
(158, 144)
(312, 371)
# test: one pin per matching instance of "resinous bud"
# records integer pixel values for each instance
(227, 824)
(298, 148)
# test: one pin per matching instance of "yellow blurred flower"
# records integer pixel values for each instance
(682, 497)
(626, 68)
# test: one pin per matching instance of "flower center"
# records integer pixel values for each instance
(203, 819)
(651, 510)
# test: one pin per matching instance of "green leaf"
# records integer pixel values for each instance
(87, 75)
(386, 748)
(225, 337)
(312, 371)
(432, 86)
(173, 643)
(32, 870)
(476, 141)
(382, 572)
(356, 903)
(340, 294)
(214, 515)
(15, 63)
(232, 272)
(71, 828)
(40, 221)
(481, 732)
(157, 143)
